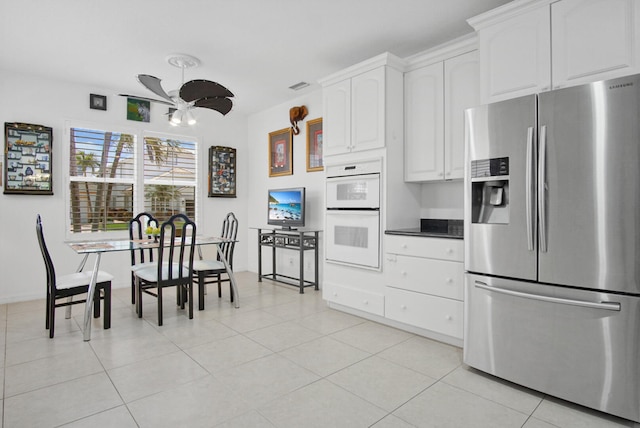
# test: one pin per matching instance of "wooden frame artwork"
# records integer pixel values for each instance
(280, 153)
(27, 152)
(222, 172)
(314, 145)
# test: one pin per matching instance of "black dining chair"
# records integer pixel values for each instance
(143, 256)
(211, 271)
(174, 265)
(70, 285)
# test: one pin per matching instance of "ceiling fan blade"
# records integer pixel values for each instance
(148, 99)
(220, 104)
(152, 83)
(194, 89)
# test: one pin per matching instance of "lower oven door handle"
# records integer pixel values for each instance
(609, 306)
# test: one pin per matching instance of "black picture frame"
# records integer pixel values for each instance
(97, 102)
(222, 172)
(28, 163)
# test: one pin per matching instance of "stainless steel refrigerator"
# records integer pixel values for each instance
(552, 243)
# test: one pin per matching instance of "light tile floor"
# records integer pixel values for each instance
(281, 360)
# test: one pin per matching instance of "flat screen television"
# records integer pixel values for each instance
(286, 207)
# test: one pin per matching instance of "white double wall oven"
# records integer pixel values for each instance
(353, 214)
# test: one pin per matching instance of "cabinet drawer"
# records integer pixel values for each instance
(420, 310)
(435, 248)
(436, 277)
(354, 298)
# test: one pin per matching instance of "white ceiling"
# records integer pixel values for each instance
(256, 48)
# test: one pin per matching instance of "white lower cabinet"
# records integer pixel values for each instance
(424, 283)
(355, 298)
(425, 311)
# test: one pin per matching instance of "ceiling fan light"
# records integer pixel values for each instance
(191, 120)
(176, 117)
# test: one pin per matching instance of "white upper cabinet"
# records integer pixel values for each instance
(461, 91)
(515, 54)
(424, 123)
(337, 117)
(368, 110)
(530, 46)
(359, 105)
(594, 40)
(436, 96)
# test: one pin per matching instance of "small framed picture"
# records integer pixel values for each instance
(97, 102)
(314, 145)
(138, 110)
(280, 153)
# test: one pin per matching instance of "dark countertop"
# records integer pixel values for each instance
(433, 228)
(417, 232)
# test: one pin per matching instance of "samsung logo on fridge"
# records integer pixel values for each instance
(621, 85)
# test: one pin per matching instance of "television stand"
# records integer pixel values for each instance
(291, 239)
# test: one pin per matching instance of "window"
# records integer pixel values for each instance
(169, 177)
(105, 191)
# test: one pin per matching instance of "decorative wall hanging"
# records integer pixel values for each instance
(138, 110)
(314, 145)
(97, 102)
(28, 159)
(222, 172)
(280, 153)
(296, 114)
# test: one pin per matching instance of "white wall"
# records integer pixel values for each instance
(259, 126)
(442, 200)
(54, 103)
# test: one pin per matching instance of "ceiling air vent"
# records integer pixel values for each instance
(299, 86)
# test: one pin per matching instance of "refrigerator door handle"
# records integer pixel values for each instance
(609, 306)
(528, 192)
(542, 195)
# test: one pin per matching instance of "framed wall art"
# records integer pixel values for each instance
(222, 172)
(314, 145)
(280, 153)
(97, 102)
(138, 110)
(27, 152)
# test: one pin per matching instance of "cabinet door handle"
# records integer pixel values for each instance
(448, 317)
(403, 307)
(449, 280)
(403, 273)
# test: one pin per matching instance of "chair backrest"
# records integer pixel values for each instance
(137, 226)
(179, 232)
(229, 231)
(48, 263)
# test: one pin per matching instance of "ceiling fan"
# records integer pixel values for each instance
(194, 93)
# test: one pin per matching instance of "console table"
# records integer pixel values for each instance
(298, 240)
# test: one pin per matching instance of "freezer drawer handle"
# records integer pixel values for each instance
(609, 306)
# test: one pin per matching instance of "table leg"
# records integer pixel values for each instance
(301, 250)
(88, 310)
(232, 278)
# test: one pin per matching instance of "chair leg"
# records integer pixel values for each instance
(159, 305)
(231, 291)
(67, 312)
(219, 287)
(133, 289)
(139, 297)
(200, 291)
(107, 306)
(190, 291)
(46, 321)
(96, 302)
(52, 316)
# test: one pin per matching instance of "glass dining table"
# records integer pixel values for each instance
(99, 247)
